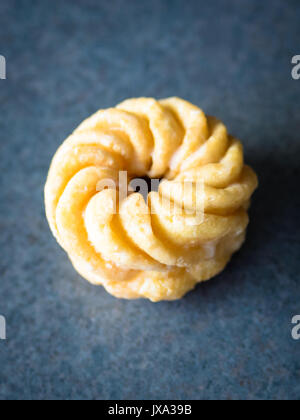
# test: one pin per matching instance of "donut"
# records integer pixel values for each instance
(157, 245)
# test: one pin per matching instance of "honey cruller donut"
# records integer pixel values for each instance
(159, 249)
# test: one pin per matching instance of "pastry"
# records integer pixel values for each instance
(159, 246)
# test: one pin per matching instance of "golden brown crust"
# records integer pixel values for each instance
(161, 249)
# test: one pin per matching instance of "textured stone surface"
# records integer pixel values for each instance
(231, 338)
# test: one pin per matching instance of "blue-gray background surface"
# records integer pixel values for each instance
(229, 339)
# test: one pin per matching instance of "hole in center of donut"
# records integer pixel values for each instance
(144, 185)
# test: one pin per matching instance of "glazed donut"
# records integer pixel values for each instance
(159, 246)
